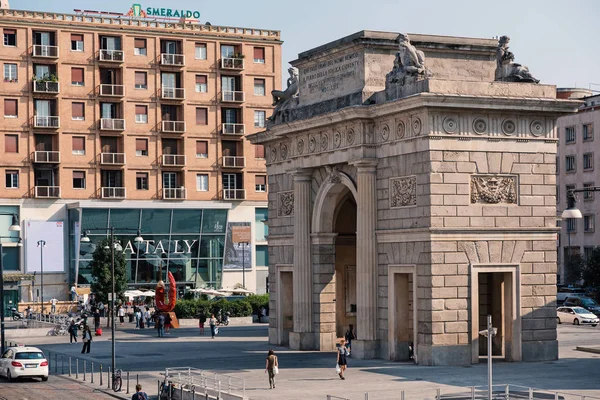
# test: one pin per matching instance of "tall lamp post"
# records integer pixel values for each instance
(41, 244)
(86, 239)
(14, 227)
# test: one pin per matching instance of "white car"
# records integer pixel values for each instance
(575, 316)
(18, 362)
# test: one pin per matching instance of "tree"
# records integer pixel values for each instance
(574, 270)
(101, 272)
(591, 272)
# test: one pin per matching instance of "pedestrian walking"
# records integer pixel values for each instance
(160, 325)
(137, 318)
(139, 395)
(201, 322)
(147, 317)
(53, 303)
(72, 332)
(272, 367)
(168, 320)
(101, 309)
(121, 314)
(341, 359)
(96, 320)
(142, 320)
(263, 314)
(213, 325)
(87, 340)
(349, 336)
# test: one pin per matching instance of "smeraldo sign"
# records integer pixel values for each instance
(138, 11)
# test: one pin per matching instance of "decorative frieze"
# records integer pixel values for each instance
(403, 191)
(494, 189)
(285, 204)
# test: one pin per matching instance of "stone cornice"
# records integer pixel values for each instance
(464, 234)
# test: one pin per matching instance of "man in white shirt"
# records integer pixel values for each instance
(53, 305)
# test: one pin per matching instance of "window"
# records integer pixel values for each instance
(201, 84)
(11, 108)
(141, 180)
(570, 163)
(588, 195)
(201, 116)
(259, 87)
(11, 143)
(141, 114)
(202, 182)
(259, 119)
(76, 42)
(141, 147)
(588, 223)
(78, 145)
(227, 51)
(588, 131)
(139, 47)
(262, 256)
(200, 51)
(259, 151)
(571, 225)
(12, 179)
(570, 134)
(201, 149)
(10, 37)
(78, 111)
(587, 252)
(10, 72)
(141, 80)
(78, 180)
(77, 77)
(588, 161)
(259, 55)
(260, 183)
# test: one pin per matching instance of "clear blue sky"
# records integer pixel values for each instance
(558, 40)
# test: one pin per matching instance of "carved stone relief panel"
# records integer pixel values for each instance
(285, 204)
(403, 191)
(494, 189)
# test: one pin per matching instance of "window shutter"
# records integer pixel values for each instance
(78, 175)
(139, 43)
(201, 147)
(259, 53)
(10, 107)
(201, 79)
(142, 110)
(11, 144)
(201, 116)
(140, 78)
(10, 31)
(76, 74)
(77, 110)
(260, 151)
(261, 179)
(141, 144)
(75, 37)
(78, 143)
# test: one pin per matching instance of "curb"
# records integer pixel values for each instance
(109, 392)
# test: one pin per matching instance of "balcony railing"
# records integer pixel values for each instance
(113, 192)
(46, 87)
(111, 90)
(46, 122)
(41, 50)
(173, 126)
(172, 59)
(173, 160)
(47, 192)
(234, 161)
(232, 96)
(234, 194)
(112, 124)
(232, 63)
(232, 129)
(111, 55)
(46, 157)
(174, 193)
(172, 93)
(112, 158)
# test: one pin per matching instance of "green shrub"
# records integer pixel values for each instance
(192, 308)
(257, 301)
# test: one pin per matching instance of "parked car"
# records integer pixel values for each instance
(17, 362)
(584, 302)
(575, 316)
(564, 292)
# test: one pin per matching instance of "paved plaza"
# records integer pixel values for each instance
(241, 351)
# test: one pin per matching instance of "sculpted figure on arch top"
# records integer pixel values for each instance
(409, 62)
(281, 97)
(506, 69)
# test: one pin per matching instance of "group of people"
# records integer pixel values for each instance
(86, 336)
(212, 322)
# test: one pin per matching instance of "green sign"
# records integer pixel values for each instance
(137, 11)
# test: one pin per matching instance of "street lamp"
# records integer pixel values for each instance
(41, 244)
(86, 239)
(489, 333)
(14, 227)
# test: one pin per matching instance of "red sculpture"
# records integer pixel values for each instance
(160, 294)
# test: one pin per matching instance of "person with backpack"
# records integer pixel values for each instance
(73, 332)
(139, 395)
(87, 340)
(160, 325)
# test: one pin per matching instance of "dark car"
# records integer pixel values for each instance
(585, 302)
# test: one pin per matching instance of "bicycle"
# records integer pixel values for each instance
(117, 381)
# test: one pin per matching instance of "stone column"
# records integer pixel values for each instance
(366, 261)
(302, 338)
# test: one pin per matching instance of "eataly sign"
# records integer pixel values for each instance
(159, 248)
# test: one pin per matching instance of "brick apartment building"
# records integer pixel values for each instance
(137, 123)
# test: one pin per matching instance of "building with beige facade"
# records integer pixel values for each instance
(136, 123)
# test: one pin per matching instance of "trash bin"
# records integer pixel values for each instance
(131, 317)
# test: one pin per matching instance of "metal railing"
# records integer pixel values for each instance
(232, 63)
(111, 55)
(113, 192)
(174, 193)
(112, 124)
(173, 160)
(112, 158)
(47, 192)
(46, 87)
(111, 90)
(172, 59)
(231, 96)
(234, 194)
(232, 129)
(234, 161)
(195, 381)
(168, 92)
(41, 50)
(46, 157)
(46, 121)
(173, 126)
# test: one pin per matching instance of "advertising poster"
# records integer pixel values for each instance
(238, 255)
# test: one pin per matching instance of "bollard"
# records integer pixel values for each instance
(77, 368)
(100, 374)
(137, 379)
(530, 394)
(193, 393)
(438, 395)
(92, 370)
(181, 391)
(84, 364)
(555, 395)
(472, 392)
(158, 389)
(229, 384)
(366, 396)
(108, 376)
(402, 395)
(127, 382)
(69, 366)
(506, 392)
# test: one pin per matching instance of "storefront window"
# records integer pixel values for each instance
(6, 222)
(262, 229)
(10, 258)
(124, 219)
(187, 221)
(156, 221)
(214, 221)
(94, 218)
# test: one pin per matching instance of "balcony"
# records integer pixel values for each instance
(46, 122)
(234, 161)
(234, 194)
(174, 193)
(40, 50)
(232, 63)
(176, 60)
(173, 160)
(171, 93)
(111, 90)
(232, 129)
(113, 192)
(112, 158)
(47, 192)
(228, 96)
(112, 124)
(111, 55)
(173, 126)
(50, 157)
(46, 87)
